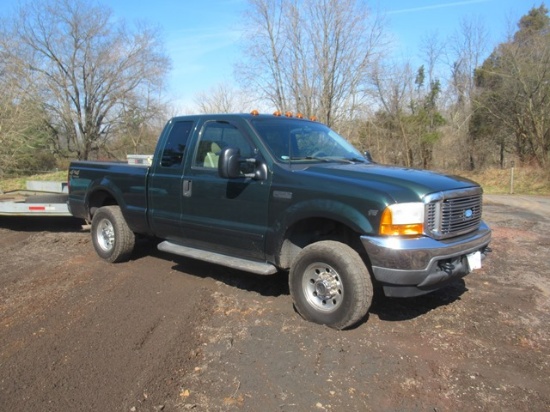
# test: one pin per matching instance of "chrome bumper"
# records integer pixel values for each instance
(415, 266)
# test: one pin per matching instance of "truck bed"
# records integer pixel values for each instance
(93, 181)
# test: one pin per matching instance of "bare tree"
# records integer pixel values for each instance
(467, 47)
(311, 56)
(432, 50)
(23, 135)
(514, 104)
(393, 85)
(86, 67)
(142, 122)
(221, 98)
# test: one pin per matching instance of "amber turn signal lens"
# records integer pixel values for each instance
(389, 228)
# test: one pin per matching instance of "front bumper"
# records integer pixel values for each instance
(415, 266)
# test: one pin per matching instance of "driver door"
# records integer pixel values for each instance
(224, 215)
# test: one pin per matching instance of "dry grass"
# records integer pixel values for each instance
(526, 180)
(18, 183)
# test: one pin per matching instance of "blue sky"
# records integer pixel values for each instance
(202, 37)
(410, 21)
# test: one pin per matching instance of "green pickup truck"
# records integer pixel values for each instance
(270, 193)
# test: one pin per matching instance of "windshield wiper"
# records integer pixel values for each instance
(329, 159)
(320, 159)
(354, 159)
(345, 159)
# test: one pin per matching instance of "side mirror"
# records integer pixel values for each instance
(232, 166)
(229, 163)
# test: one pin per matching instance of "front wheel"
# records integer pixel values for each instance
(330, 284)
(112, 238)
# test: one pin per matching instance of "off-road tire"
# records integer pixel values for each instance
(330, 284)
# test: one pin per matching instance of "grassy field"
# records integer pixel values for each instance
(527, 181)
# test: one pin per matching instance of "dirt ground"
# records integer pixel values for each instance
(167, 333)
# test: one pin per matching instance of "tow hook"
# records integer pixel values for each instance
(447, 267)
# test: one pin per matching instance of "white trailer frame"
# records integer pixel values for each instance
(30, 202)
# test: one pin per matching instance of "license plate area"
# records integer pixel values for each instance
(474, 260)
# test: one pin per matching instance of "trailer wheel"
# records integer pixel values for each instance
(330, 284)
(112, 238)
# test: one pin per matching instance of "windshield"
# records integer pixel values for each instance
(294, 140)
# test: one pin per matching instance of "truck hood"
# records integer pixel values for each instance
(400, 184)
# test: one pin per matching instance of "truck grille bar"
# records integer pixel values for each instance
(453, 213)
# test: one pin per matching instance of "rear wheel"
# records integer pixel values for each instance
(112, 238)
(330, 284)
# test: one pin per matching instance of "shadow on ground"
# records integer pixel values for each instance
(270, 285)
(388, 309)
(399, 309)
(41, 223)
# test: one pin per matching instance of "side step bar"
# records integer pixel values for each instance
(259, 268)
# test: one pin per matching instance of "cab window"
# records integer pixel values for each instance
(215, 136)
(174, 149)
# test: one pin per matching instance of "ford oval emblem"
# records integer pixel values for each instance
(468, 213)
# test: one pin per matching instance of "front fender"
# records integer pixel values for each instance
(336, 211)
(328, 209)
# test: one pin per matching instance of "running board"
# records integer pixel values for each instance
(259, 268)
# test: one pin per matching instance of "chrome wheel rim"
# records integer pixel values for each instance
(105, 235)
(322, 287)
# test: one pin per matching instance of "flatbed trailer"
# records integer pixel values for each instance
(38, 199)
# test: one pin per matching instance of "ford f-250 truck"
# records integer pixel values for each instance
(269, 193)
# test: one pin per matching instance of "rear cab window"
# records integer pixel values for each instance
(174, 149)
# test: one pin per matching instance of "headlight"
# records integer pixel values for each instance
(403, 219)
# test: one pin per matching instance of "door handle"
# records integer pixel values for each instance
(187, 188)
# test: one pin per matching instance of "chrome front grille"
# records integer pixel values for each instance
(453, 213)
